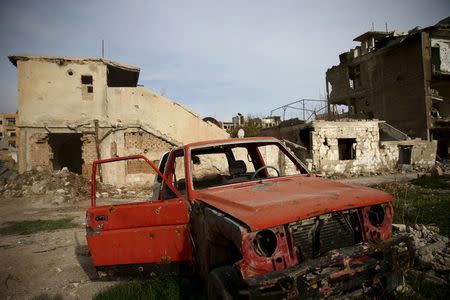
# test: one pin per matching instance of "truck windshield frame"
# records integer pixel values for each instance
(235, 170)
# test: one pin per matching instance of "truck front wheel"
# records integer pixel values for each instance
(223, 283)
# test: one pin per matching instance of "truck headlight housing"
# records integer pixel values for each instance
(265, 243)
(376, 215)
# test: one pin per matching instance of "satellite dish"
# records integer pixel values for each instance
(241, 133)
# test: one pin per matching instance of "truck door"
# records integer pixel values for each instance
(146, 232)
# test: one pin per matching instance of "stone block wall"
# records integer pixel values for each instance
(370, 155)
(325, 149)
(423, 153)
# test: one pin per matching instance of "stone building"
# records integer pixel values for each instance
(73, 111)
(354, 146)
(402, 78)
(8, 129)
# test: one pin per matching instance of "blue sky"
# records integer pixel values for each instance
(216, 57)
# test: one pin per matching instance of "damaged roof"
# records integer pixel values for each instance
(370, 34)
(58, 59)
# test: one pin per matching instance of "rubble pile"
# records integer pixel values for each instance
(65, 187)
(106, 191)
(431, 253)
(61, 186)
(441, 168)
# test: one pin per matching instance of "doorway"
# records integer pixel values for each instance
(404, 155)
(66, 149)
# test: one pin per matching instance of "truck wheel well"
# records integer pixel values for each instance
(222, 252)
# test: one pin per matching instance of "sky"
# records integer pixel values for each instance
(216, 57)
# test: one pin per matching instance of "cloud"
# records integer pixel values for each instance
(217, 57)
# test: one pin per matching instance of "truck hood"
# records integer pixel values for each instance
(283, 200)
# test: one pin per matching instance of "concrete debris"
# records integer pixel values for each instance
(63, 185)
(437, 171)
(431, 253)
(399, 227)
(6, 170)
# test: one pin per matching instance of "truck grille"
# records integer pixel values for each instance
(315, 236)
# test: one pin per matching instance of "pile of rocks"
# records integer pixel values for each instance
(61, 186)
(65, 187)
(431, 253)
(124, 192)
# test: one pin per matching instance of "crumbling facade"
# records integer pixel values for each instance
(76, 110)
(403, 78)
(355, 146)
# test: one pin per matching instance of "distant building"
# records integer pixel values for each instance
(240, 121)
(402, 78)
(268, 122)
(9, 129)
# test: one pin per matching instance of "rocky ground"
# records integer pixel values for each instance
(55, 264)
(45, 265)
(431, 257)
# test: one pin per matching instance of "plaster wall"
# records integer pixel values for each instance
(142, 106)
(53, 99)
(423, 153)
(50, 96)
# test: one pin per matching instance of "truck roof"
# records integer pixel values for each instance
(230, 141)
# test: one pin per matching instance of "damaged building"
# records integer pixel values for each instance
(402, 78)
(354, 146)
(73, 111)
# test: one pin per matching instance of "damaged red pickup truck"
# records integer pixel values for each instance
(246, 215)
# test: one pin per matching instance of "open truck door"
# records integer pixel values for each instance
(138, 235)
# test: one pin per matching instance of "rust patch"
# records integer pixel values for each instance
(166, 259)
(262, 187)
(112, 209)
(158, 210)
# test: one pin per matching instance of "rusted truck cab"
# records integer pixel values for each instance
(247, 216)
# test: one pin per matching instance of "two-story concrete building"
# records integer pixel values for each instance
(73, 111)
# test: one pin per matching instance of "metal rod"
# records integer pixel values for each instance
(303, 109)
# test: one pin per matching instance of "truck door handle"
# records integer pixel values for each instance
(101, 218)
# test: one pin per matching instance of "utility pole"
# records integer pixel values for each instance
(103, 48)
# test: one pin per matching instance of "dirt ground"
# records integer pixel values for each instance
(45, 265)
